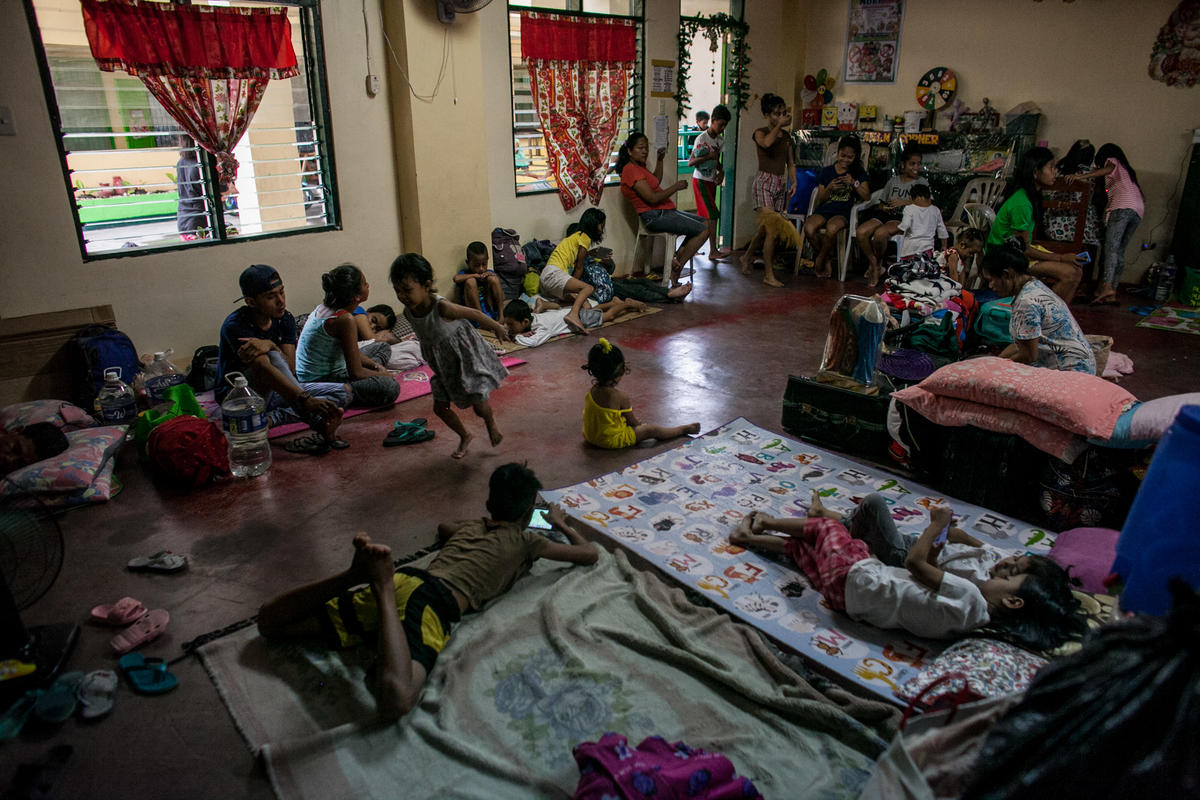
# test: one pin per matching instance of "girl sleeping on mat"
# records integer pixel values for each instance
(1025, 599)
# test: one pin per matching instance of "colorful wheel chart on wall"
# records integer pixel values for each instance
(936, 88)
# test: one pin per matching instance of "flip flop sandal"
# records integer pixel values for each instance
(122, 612)
(407, 433)
(147, 675)
(146, 629)
(97, 693)
(11, 669)
(14, 719)
(311, 444)
(338, 444)
(57, 704)
(162, 561)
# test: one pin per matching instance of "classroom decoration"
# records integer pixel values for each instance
(936, 88)
(873, 41)
(715, 28)
(208, 67)
(1175, 58)
(579, 71)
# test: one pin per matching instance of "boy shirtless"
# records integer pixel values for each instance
(409, 612)
(775, 179)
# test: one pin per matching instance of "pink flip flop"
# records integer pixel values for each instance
(122, 612)
(146, 629)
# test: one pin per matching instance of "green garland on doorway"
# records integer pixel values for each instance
(714, 27)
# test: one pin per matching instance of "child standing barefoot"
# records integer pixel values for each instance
(465, 370)
(608, 419)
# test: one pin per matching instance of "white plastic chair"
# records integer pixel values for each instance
(845, 236)
(670, 241)
(982, 191)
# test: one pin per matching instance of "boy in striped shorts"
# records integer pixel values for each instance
(775, 179)
(707, 175)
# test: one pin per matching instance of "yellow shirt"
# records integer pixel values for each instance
(606, 427)
(567, 251)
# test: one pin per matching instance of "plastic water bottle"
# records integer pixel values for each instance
(1165, 281)
(160, 376)
(245, 422)
(1159, 540)
(118, 404)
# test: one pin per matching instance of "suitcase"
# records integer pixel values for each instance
(839, 419)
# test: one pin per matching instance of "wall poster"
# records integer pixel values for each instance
(873, 41)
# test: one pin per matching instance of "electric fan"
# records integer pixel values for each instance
(31, 555)
(447, 10)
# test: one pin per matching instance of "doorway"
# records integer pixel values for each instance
(707, 85)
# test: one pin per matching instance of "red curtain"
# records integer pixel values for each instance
(579, 71)
(208, 67)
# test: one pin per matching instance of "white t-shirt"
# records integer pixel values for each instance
(545, 327)
(919, 225)
(890, 597)
(706, 143)
(971, 563)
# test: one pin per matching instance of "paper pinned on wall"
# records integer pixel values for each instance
(662, 133)
(662, 80)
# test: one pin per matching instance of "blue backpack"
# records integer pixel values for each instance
(97, 348)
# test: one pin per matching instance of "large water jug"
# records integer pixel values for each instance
(244, 420)
(160, 376)
(118, 404)
(1161, 537)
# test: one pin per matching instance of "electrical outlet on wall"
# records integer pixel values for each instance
(372, 85)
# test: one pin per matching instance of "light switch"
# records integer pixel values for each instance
(7, 126)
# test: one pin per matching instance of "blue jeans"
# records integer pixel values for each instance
(1118, 231)
(280, 411)
(871, 520)
(672, 220)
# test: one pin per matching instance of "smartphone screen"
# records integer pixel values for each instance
(539, 520)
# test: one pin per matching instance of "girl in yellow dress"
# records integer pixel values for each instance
(608, 419)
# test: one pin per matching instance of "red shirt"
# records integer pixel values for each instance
(631, 175)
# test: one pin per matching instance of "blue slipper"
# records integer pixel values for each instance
(13, 720)
(147, 675)
(57, 704)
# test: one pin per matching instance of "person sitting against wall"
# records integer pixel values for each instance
(1020, 215)
(653, 203)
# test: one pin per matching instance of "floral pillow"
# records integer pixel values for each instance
(70, 472)
(953, 412)
(1076, 401)
(66, 416)
(992, 668)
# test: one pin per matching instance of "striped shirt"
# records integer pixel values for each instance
(1122, 191)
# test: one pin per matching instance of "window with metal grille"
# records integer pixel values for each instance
(137, 183)
(531, 168)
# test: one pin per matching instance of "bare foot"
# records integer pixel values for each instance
(692, 428)
(494, 435)
(679, 292)
(637, 305)
(771, 281)
(365, 566)
(720, 255)
(873, 276)
(816, 507)
(464, 442)
(758, 521)
(746, 264)
(574, 323)
(741, 534)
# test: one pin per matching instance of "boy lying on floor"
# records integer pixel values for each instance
(546, 320)
(1026, 599)
(409, 611)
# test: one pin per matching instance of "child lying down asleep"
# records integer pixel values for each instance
(859, 565)
(545, 321)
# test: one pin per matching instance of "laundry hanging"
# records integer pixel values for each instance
(208, 67)
(579, 72)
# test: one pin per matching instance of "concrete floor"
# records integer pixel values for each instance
(724, 353)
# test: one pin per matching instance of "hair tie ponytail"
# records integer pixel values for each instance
(605, 345)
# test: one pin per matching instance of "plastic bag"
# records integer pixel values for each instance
(182, 402)
(852, 348)
(1120, 718)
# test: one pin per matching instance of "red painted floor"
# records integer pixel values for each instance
(724, 353)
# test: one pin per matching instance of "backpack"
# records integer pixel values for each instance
(992, 323)
(95, 349)
(202, 375)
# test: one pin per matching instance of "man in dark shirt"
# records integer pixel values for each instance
(259, 340)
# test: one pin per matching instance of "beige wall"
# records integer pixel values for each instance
(179, 299)
(1084, 63)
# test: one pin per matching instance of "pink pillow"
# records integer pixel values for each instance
(64, 415)
(1089, 553)
(1079, 402)
(956, 413)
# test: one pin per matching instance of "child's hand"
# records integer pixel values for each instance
(941, 516)
(556, 516)
(500, 331)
